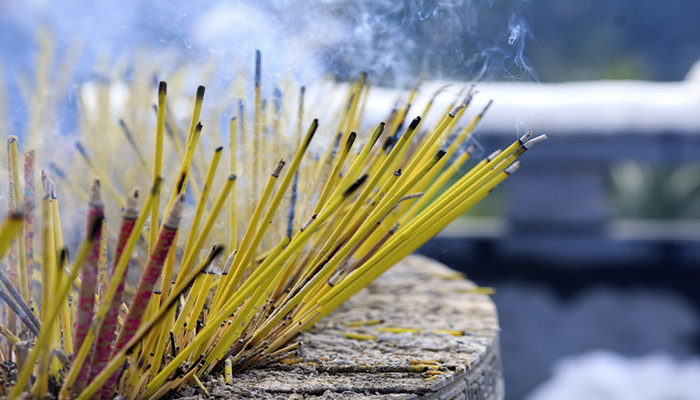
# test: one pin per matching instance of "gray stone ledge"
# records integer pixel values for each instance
(420, 294)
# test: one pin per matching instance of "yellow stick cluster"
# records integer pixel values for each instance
(239, 260)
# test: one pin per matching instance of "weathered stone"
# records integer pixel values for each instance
(419, 296)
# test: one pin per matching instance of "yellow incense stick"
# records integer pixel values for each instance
(15, 185)
(233, 161)
(158, 159)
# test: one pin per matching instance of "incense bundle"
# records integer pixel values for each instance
(314, 212)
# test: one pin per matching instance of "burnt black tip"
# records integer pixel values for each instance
(414, 123)
(232, 177)
(351, 139)
(162, 87)
(388, 142)
(356, 185)
(200, 92)
(312, 131)
(440, 154)
(216, 251)
(181, 182)
(95, 228)
(488, 105)
(218, 149)
(62, 257)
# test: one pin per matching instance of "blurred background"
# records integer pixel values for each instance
(593, 249)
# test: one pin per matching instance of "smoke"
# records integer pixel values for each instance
(517, 65)
(394, 41)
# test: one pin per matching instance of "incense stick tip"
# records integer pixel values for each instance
(52, 191)
(229, 262)
(525, 137)
(414, 123)
(494, 154)
(63, 255)
(95, 228)
(181, 182)
(441, 153)
(488, 105)
(355, 185)
(512, 168)
(534, 141)
(132, 208)
(95, 194)
(308, 223)
(387, 143)
(216, 251)
(455, 110)
(172, 220)
(278, 168)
